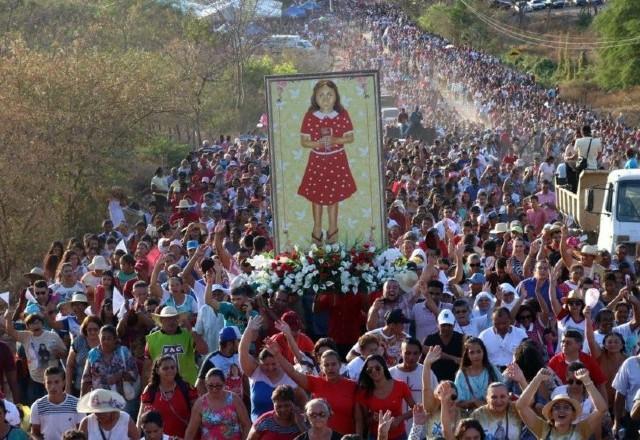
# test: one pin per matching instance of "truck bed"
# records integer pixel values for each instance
(574, 204)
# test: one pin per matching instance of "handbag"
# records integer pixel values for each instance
(581, 164)
(131, 390)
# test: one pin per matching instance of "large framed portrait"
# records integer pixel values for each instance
(325, 140)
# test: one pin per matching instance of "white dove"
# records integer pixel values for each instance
(297, 154)
(351, 223)
(364, 151)
(300, 215)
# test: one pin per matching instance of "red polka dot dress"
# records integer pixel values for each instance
(327, 178)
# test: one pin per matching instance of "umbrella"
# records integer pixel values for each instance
(294, 12)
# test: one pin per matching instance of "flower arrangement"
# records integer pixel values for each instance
(328, 268)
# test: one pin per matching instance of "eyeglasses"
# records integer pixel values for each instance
(377, 368)
(317, 415)
(215, 386)
(574, 382)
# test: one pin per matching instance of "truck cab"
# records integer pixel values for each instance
(619, 211)
(606, 205)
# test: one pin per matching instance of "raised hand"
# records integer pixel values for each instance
(283, 327)
(271, 346)
(514, 373)
(419, 415)
(433, 354)
(220, 228)
(254, 323)
(582, 375)
(385, 419)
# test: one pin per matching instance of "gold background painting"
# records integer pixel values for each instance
(361, 216)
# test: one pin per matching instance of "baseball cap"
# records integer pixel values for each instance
(141, 264)
(192, 244)
(395, 317)
(446, 317)
(230, 333)
(293, 320)
(477, 278)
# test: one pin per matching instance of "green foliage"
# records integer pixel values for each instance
(455, 22)
(162, 149)
(584, 20)
(543, 68)
(619, 66)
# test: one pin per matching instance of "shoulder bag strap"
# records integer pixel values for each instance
(466, 378)
(101, 431)
(589, 147)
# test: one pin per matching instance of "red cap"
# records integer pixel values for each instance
(141, 264)
(293, 320)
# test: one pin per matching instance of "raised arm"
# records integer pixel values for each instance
(524, 403)
(595, 418)
(446, 408)
(554, 274)
(428, 399)
(594, 348)
(458, 275)
(565, 253)
(299, 378)
(188, 270)
(218, 242)
(154, 286)
(247, 362)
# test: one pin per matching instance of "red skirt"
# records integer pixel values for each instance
(327, 178)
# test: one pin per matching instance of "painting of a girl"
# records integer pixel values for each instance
(327, 181)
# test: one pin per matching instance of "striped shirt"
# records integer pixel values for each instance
(55, 419)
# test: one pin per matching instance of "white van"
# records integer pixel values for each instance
(278, 43)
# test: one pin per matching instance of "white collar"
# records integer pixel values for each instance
(320, 115)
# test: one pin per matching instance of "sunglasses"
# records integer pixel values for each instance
(377, 368)
(215, 386)
(521, 317)
(574, 303)
(317, 415)
(474, 264)
(574, 382)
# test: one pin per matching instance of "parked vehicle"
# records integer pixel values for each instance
(537, 4)
(278, 43)
(606, 205)
(522, 5)
(389, 115)
(504, 4)
(556, 4)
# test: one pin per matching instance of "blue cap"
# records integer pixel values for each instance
(192, 244)
(477, 278)
(229, 334)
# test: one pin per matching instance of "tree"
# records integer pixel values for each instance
(619, 65)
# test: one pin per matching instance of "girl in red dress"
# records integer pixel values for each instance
(327, 180)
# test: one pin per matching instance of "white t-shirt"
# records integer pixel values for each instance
(354, 368)
(55, 419)
(65, 293)
(499, 349)
(630, 336)
(413, 380)
(627, 380)
(567, 323)
(208, 325)
(476, 325)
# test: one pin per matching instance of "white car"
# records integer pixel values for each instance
(389, 115)
(537, 4)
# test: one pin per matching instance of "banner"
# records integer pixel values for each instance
(326, 158)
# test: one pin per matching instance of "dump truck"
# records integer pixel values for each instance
(606, 206)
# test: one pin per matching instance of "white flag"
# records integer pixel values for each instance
(122, 245)
(117, 301)
(4, 296)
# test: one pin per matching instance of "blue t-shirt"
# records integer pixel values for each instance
(261, 388)
(631, 163)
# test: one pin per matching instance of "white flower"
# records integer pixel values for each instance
(336, 247)
(344, 289)
(327, 248)
(316, 288)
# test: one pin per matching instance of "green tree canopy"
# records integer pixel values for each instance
(619, 66)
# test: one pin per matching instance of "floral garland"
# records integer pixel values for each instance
(330, 268)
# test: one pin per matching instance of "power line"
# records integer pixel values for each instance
(555, 44)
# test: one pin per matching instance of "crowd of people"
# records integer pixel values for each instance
(505, 325)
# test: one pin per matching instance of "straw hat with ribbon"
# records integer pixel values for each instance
(101, 401)
(546, 410)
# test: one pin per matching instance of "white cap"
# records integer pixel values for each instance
(446, 317)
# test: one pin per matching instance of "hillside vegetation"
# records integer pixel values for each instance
(97, 92)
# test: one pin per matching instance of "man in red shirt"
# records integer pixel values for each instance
(184, 213)
(571, 344)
